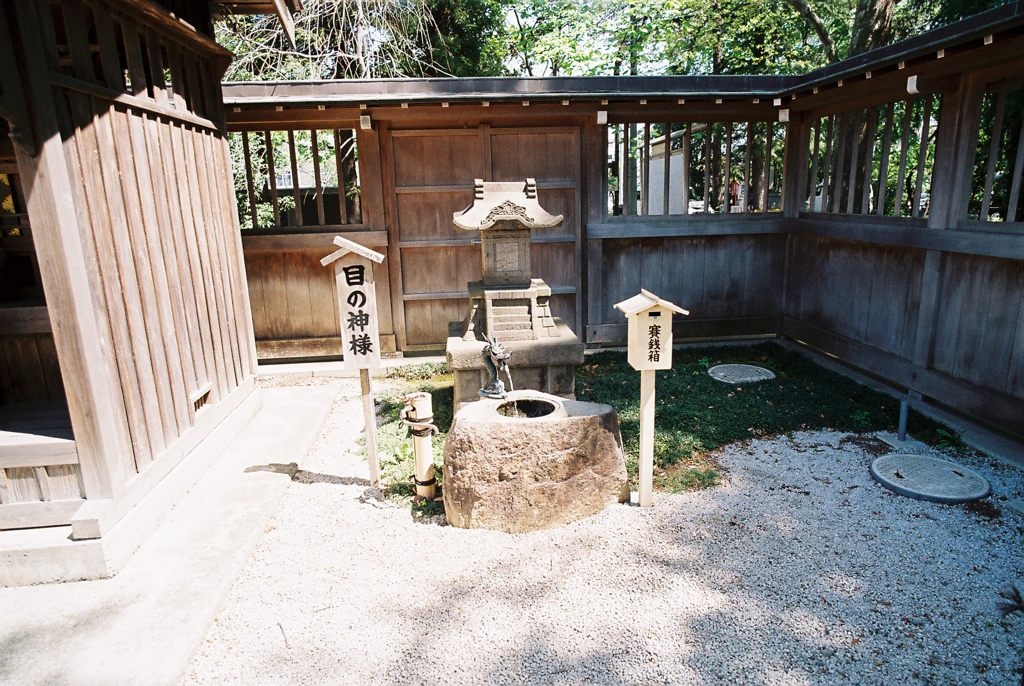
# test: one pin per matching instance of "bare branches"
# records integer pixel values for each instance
(334, 39)
(805, 10)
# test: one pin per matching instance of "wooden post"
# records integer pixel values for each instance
(357, 313)
(646, 438)
(649, 323)
(370, 417)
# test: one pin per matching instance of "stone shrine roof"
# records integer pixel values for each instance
(507, 204)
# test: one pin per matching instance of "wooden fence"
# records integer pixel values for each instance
(868, 209)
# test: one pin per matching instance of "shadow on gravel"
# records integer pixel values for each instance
(301, 476)
(304, 477)
(714, 593)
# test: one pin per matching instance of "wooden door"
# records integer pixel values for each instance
(431, 174)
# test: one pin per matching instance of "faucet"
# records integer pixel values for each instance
(496, 361)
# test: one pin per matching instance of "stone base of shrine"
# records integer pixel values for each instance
(547, 365)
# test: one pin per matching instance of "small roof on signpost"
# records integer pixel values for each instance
(348, 246)
(645, 300)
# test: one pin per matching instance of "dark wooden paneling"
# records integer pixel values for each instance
(548, 156)
(979, 316)
(29, 370)
(428, 216)
(437, 158)
(868, 293)
(996, 409)
(433, 260)
(293, 296)
(713, 277)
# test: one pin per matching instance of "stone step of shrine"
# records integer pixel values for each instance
(514, 335)
(513, 326)
(510, 318)
(498, 307)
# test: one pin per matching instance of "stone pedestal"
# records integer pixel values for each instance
(510, 314)
(547, 364)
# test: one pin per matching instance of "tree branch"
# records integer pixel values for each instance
(804, 9)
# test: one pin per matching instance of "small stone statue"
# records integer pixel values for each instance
(496, 361)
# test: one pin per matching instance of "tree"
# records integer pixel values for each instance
(463, 38)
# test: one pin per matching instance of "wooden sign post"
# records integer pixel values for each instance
(357, 307)
(649, 336)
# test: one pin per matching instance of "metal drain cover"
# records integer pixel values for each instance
(740, 373)
(928, 478)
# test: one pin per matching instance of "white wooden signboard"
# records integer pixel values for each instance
(357, 307)
(649, 340)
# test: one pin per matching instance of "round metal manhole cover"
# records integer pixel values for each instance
(928, 478)
(740, 373)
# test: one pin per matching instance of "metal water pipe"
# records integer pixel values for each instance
(418, 415)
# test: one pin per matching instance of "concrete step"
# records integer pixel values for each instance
(520, 335)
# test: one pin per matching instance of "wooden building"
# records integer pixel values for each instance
(851, 209)
(126, 344)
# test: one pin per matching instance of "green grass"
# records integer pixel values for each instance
(694, 414)
(394, 445)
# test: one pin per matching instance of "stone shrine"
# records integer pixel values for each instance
(509, 306)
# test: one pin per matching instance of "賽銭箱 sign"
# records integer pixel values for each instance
(649, 340)
(649, 330)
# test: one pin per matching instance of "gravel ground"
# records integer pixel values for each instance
(799, 569)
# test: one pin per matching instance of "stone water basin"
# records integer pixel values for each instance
(531, 461)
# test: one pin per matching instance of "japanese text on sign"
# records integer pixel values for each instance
(654, 343)
(358, 309)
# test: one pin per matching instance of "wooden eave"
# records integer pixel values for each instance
(284, 9)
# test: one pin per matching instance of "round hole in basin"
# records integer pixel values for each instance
(528, 408)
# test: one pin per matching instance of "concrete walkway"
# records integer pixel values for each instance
(142, 626)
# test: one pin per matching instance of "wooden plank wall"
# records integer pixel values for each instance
(29, 370)
(730, 284)
(869, 293)
(148, 182)
(294, 303)
(934, 305)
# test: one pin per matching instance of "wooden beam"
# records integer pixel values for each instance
(323, 237)
(284, 15)
(796, 161)
(691, 225)
(913, 233)
(695, 329)
(24, 320)
(139, 103)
